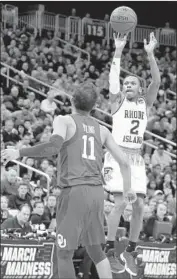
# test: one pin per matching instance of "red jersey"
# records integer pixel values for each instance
(81, 157)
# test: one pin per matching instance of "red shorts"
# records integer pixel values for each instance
(80, 217)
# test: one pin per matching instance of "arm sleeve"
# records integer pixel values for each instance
(43, 150)
(114, 76)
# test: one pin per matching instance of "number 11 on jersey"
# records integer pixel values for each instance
(88, 142)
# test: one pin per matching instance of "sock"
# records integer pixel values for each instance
(131, 246)
(109, 245)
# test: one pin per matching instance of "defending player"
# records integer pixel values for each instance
(79, 140)
(130, 112)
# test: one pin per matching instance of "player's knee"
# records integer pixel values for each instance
(119, 204)
(96, 253)
(65, 254)
(138, 206)
(120, 207)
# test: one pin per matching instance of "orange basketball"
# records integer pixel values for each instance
(123, 19)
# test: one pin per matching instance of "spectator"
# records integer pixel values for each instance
(147, 212)
(21, 131)
(9, 134)
(87, 19)
(171, 206)
(4, 209)
(156, 170)
(50, 172)
(23, 197)
(23, 114)
(167, 186)
(151, 187)
(23, 170)
(167, 30)
(38, 215)
(20, 221)
(12, 97)
(5, 113)
(9, 185)
(25, 142)
(26, 178)
(152, 205)
(50, 208)
(73, 12)
(56, 190)
(160, 157)
(48, 105)
(159, 215)
(158, 196)
(38, 191)
(44, 165)
(34, 200)
(106, 18)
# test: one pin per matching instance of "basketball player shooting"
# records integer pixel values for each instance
(78, 140)
(130, 113)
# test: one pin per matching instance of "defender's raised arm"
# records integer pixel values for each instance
(154, 85)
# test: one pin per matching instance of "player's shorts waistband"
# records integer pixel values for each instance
(131, 150)
(79, 185)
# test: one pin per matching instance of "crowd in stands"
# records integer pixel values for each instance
(26, 119)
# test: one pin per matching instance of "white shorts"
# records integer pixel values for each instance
(113, 176)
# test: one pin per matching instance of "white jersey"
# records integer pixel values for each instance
(129, 123)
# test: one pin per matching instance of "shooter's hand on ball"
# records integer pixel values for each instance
(130, 196)
(9, 155)
(149, 48)
(120, 41)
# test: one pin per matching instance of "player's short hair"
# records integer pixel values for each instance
(135, 77)
(85, 96)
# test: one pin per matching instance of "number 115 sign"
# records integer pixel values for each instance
(96, 30)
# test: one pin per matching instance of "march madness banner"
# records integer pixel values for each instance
(156, 261)
(26, 259)
(29, 259)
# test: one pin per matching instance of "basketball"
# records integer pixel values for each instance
(123, 19)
